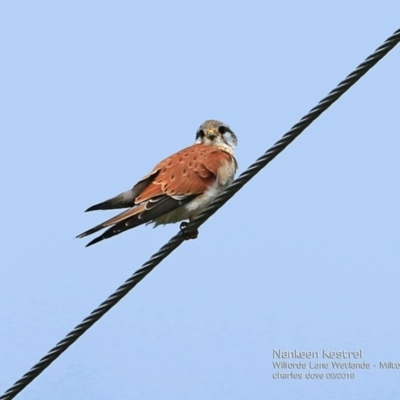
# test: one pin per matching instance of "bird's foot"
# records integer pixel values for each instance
(188, 235)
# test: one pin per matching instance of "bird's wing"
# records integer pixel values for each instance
(125, 199)
(174, 181)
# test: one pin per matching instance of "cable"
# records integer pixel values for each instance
(176, 240)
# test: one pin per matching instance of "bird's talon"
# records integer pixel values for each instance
(188, 235)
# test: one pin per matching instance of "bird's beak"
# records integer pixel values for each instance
(211, 134)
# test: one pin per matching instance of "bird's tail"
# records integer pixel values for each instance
(124, 216)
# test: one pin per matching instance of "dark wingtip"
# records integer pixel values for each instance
(104, 205)
(89, 232)
(95, 240)
(92, 208)
(111, 204)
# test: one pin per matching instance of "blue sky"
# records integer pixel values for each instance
(305, 257)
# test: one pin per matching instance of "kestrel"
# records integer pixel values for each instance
(178, 188)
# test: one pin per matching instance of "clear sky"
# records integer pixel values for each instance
(305, 258)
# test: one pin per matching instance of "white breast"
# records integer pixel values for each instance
(190, 210)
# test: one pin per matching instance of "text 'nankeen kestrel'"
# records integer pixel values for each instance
(178, 188)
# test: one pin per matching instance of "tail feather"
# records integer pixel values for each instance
(118, 228)
(145, 212)
(125, 215)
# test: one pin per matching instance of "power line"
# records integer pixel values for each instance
(176, 241)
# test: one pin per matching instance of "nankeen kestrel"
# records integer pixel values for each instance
(178, 188)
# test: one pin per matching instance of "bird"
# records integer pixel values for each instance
(178, 188)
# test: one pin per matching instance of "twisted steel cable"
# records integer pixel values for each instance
(176, 240)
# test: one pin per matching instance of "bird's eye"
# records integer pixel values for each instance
(200, 134)
(222, 129)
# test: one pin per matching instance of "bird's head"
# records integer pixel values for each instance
(216, 133)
